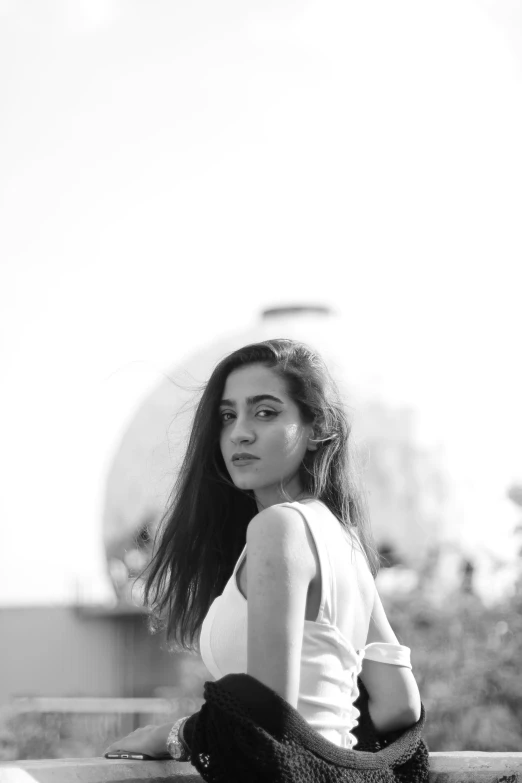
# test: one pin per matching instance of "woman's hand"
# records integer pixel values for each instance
(151, 740)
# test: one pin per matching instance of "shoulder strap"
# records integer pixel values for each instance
(328, 604)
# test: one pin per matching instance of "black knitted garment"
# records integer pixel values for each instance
(246, 733)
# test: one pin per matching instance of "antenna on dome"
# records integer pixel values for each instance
(276, 312)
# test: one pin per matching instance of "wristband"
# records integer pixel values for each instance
(176, 745)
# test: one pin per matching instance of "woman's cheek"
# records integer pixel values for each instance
(293, 439)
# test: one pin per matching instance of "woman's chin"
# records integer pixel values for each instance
(243, 483)
(248, 483)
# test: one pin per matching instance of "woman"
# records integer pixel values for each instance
(269, 471)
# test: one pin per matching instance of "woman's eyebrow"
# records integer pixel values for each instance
(253, 400)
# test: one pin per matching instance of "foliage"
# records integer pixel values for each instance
(466, 659)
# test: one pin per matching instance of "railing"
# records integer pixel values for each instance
(93, 704)
(130, 710)
(462, 767)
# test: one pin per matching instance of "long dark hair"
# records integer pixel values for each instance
(203, 530)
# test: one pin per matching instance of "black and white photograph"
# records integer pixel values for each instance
(261, 391)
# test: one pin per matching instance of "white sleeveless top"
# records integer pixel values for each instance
(330, 663)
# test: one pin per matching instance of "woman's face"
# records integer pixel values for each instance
(258, 418)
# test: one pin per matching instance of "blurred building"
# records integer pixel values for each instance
(81, 651)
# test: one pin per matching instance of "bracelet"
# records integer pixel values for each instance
(176, 745)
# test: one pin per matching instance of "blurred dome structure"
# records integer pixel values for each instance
(404, 485)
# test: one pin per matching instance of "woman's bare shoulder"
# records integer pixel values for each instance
(281, 531)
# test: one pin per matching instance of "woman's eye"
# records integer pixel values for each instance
(226, 416)
(268, 413)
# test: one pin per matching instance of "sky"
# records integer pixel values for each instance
(169, 169)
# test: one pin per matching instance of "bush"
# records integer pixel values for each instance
(466, 659)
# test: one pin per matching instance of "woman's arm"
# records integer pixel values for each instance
(394, 699)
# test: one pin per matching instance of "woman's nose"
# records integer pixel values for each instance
(241, 432)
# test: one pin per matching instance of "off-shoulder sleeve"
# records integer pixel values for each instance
(386, 652)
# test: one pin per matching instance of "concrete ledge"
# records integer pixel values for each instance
(461, 767)
(97, 770)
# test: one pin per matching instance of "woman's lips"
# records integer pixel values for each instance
(244, 461)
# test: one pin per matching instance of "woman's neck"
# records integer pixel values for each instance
(265, 499)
